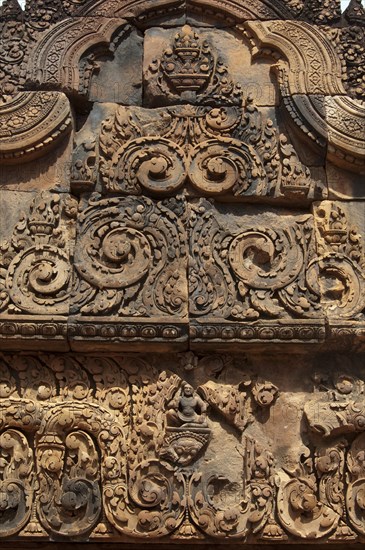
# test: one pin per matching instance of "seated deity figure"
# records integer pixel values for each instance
(187, 408)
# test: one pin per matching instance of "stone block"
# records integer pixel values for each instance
(36, 270)
(130, 279)
(119, 79)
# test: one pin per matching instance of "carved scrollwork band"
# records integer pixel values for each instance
(130, 261)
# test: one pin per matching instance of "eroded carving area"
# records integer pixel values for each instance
(182, 272)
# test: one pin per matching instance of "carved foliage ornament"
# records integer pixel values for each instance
(131, 258)
(336, 414)
(223, 150)
(87, 418)
(35, 269)
(337, 274)
(116, 412)
(251, 271)
(131, 261)
(246, 270)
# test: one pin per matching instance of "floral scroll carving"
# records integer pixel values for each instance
(17, 478)
(182, 272)
(159, 426)
(70, 501)
(122, 444)
(299, 507)
(251, 271)
(355, 492)
(223, 150)
(128, 248)
(36, 272)
(337, 274)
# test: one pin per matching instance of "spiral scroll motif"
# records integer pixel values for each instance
(355, 500)
(269, 260)
(155, 501)
(116, 258)
(16, 471)
(219, 166)
(156, 164)
(39, 280)
(301, 513)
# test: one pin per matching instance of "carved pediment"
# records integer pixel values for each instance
(182, 272)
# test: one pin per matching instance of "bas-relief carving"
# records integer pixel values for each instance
(142, 260)
(32, 122)
(313, 93)
(133, 251)
(119, 445)
(218, 151)
(185, 199)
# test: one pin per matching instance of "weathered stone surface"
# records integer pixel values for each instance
(35, 267)
(337, 274)
(227, 74)
(182, 273)
(222, 151)
(344, 185)
(119, 80)
(52, 173)
(130, 267)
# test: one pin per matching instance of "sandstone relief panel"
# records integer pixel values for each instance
(131, 446)
(182, 271)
